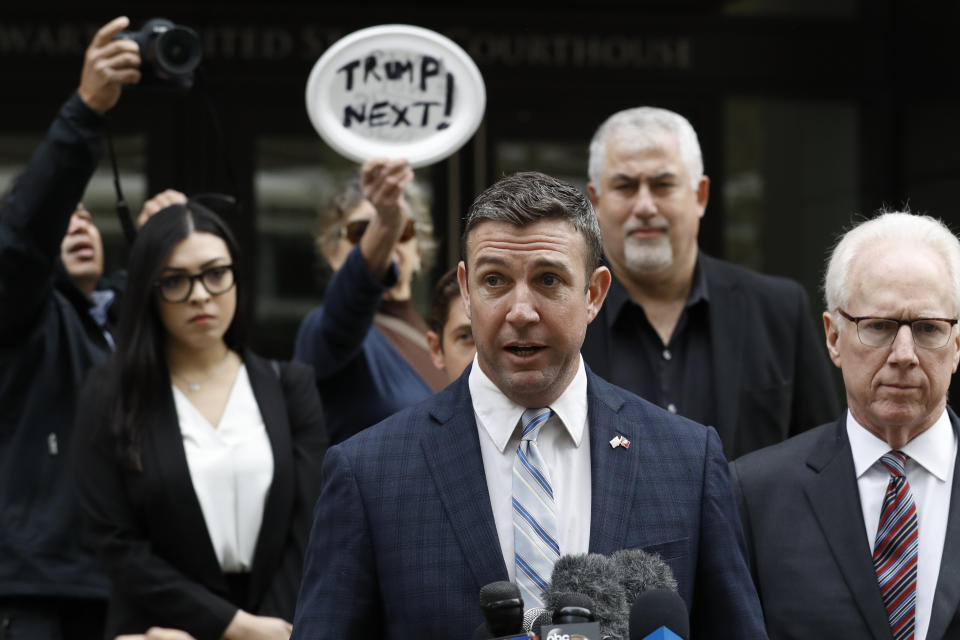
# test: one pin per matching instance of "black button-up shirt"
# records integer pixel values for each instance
(677, 375)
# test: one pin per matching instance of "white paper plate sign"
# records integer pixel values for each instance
(397, 91)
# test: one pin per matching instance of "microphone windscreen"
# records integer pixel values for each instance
(498, 591)
(641, 571)
(502, 607)
(594, 576)
(659, 608)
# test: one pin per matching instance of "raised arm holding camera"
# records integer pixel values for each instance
(54, 325)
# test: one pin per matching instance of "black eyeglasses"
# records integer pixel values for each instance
(928, 333)
(178, 287)
(354, 230)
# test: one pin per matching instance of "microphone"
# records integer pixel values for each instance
(573, 608)
(502, 607)
(640, 571)
(572, 618)
(535, 618)
(594, 576)
(659, 614)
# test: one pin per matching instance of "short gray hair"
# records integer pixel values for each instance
(647, 127)
(528, 197)
(896, 226)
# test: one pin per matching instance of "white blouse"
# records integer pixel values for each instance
(231, 467)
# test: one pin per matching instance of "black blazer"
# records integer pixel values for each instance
(809, 556)
(771, 377)
(148, 526)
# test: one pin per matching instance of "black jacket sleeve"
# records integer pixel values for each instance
(309, 439)
(35, 216)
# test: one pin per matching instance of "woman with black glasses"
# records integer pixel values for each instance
(197, 462)
(367, 343)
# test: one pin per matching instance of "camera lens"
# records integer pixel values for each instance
(178, 51)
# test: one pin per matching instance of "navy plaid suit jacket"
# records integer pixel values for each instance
(404, 538)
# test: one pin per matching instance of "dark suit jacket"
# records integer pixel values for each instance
(809, 554)
(148, 526)
(404, 536)
(771, 377)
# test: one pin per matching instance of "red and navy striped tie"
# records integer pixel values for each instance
(895, 550)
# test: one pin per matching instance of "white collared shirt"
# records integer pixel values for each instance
(563, 442)
(929, 471)
(231, 467)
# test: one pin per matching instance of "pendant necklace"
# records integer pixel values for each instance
(193, 387)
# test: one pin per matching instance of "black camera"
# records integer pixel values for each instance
(169, 53)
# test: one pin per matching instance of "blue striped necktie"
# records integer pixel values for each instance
(895, 549)
(534, 513)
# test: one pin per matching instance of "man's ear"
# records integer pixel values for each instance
(956, 353)
(597, 291)
(594, 194)
(436, 349)
(464, 293)
(703, 194)
(832, 332)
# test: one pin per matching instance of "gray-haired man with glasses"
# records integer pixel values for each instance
(853, 528)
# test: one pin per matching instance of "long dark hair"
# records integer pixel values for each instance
(138, 374)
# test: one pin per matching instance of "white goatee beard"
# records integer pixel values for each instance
(648, 255)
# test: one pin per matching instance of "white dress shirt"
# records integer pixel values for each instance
(231, 466)
(929, 470)
(563, 442)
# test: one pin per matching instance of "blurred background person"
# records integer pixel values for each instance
(710, 340)
(450, 336)
(56, 319)
(197, 462)
(367, 343)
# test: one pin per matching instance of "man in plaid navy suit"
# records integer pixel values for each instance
(415, 513)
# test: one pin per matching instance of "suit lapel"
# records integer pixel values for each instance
(171, 462)
(727, 327)
(268, 392)
(452, 452)
(613, 476)
(835, 500)
(946, 598)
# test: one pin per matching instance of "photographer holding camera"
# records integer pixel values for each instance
(56, 316)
